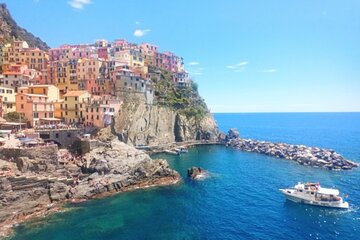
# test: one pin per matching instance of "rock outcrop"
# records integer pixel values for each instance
(197, 173)
(119, 167)
(9, 30)
(312, 156)
(30, 190)
(142, 124)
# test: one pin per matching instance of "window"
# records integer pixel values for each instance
(97, 117)
(36, 115)
(22, 106)
(56, 135)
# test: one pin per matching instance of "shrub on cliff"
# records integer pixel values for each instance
(185, 100)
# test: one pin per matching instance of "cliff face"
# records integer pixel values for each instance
(141, 124)
(9, 30)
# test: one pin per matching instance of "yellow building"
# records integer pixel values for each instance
(11, 53)
(73, 105)
(34, 58)
(63, 75)
(58, 105)
(7, 101)
(136, 58)
(51, 91)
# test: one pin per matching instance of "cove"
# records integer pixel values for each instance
(240, 200)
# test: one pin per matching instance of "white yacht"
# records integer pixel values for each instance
(314, 194)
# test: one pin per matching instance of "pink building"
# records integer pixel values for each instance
(18, 79)
(34, 107)
(102, 52)
(88, 73)
(101, 110)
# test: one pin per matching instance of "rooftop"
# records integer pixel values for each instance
(75, 93)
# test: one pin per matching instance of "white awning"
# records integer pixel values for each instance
(50, 119)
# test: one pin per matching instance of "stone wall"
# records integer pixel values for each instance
(36, 159)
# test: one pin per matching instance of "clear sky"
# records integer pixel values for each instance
(247, 56)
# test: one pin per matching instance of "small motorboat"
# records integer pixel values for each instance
(314, 194)
(181, 150)
(171, 152)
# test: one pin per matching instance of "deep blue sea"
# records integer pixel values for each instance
(239, 201)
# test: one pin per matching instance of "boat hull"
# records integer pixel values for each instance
(290, 196)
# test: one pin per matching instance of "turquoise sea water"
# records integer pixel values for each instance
(239, 201)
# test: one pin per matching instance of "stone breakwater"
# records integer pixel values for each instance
(311, 156)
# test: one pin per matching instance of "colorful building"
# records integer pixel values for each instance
(88, 73)
(73, 105)
(149, 52)
(7, 101)
(35, 107)
(12, 79)
(34, 58)
(181, 79)
(51, 91)
(11, 53)
(99, 112)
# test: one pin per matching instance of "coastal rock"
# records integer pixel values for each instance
(112, 167)
(312, 156)
(120, 167)
(197, 173)
(233, 134)
(58, 191)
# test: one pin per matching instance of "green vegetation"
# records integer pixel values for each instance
(14, 117)
(185, 100)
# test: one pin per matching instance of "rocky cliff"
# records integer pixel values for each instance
(110, 168)
(178, 114)
(9, 30)
(141, 124)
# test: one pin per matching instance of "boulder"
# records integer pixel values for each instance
(233, 134)
(58, 191)
(195, 172)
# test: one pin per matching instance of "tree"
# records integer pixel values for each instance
(194, 86)
(15, 117)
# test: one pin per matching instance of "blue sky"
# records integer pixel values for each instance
(247, 56)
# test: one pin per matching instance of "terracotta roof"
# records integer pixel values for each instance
(11, 73)
(75, 93)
